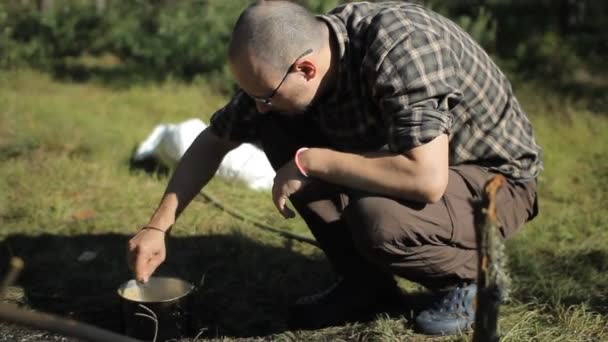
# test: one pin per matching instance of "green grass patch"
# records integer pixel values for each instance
(66, 187)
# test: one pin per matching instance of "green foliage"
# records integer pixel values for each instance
(187, 38)
(542, 38)
(37, 38)
(181, 38)
(321, 6)
(9, 49)
(549, 55)
(481, 27)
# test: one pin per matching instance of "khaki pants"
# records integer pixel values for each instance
(371, 237)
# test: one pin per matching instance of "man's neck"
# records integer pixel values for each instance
(331, 57)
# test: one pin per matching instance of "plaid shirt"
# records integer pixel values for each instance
(407, 75)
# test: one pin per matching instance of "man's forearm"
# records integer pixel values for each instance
(194, 170)
(418, 176)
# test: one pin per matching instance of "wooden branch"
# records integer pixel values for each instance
(492, 282)
(38, 320)
(16, 265)
(237, 214)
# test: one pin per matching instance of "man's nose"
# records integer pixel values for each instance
(262, 108)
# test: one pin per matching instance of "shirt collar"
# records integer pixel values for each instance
(338, 29)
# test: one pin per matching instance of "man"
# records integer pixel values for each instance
(383, 121)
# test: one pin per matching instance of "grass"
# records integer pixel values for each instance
(66, 187)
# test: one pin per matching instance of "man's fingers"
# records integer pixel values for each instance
(281, 204)
(280, 194)
(141, 266)
(154, 262)
(131, 255)
(289, 213)
(278, 199)
(142, 275)
(146, 264)
(283, 208)
(131, 260)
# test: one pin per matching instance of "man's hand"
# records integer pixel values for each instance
(287, 181)
(145, 252)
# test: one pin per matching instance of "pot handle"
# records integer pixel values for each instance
(152, 316)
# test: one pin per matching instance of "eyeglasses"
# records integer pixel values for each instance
(268, 100)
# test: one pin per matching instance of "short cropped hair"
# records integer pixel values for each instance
(276, 31)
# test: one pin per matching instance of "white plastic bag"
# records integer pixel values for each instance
(168, 143)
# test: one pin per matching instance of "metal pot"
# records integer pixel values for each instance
(158, 310)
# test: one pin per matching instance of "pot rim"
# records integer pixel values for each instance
(189, 289)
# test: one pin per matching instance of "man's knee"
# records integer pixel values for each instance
(321, 199)
(374, 228)
(394, 236)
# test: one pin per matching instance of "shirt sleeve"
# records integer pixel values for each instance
(237, 121)
(416, 88)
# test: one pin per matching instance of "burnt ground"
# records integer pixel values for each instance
(13, 333)
(245, 292)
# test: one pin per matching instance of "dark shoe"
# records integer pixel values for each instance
(344, 301)
(454, 313)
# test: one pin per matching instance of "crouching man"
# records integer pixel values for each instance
(383, 122)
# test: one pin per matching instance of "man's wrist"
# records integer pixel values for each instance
(149, 227)
(158, 228)
(159, 221)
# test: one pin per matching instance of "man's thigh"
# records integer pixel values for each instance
(378, 220)
(515, 202)
(450, 221)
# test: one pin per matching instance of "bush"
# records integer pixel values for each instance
(36, 38)
(188, 38)
(178, 38)
(481, 27)
(183, 38)
(549, 56)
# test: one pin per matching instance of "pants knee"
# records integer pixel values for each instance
(387, 237)
(374, 231)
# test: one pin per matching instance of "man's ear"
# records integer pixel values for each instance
(307, 68)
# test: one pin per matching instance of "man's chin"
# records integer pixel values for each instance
(298, 111)
(293, 114)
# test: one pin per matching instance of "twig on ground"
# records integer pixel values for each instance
(200, 332)
(16, 266)
(239, 215)
(14, 314)
(38, 320)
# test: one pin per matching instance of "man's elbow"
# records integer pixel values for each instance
(434, 195)
(433, 188)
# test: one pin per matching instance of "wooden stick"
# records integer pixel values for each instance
(13, 314)
(492, 282)
(233, 212)
(16, 266)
